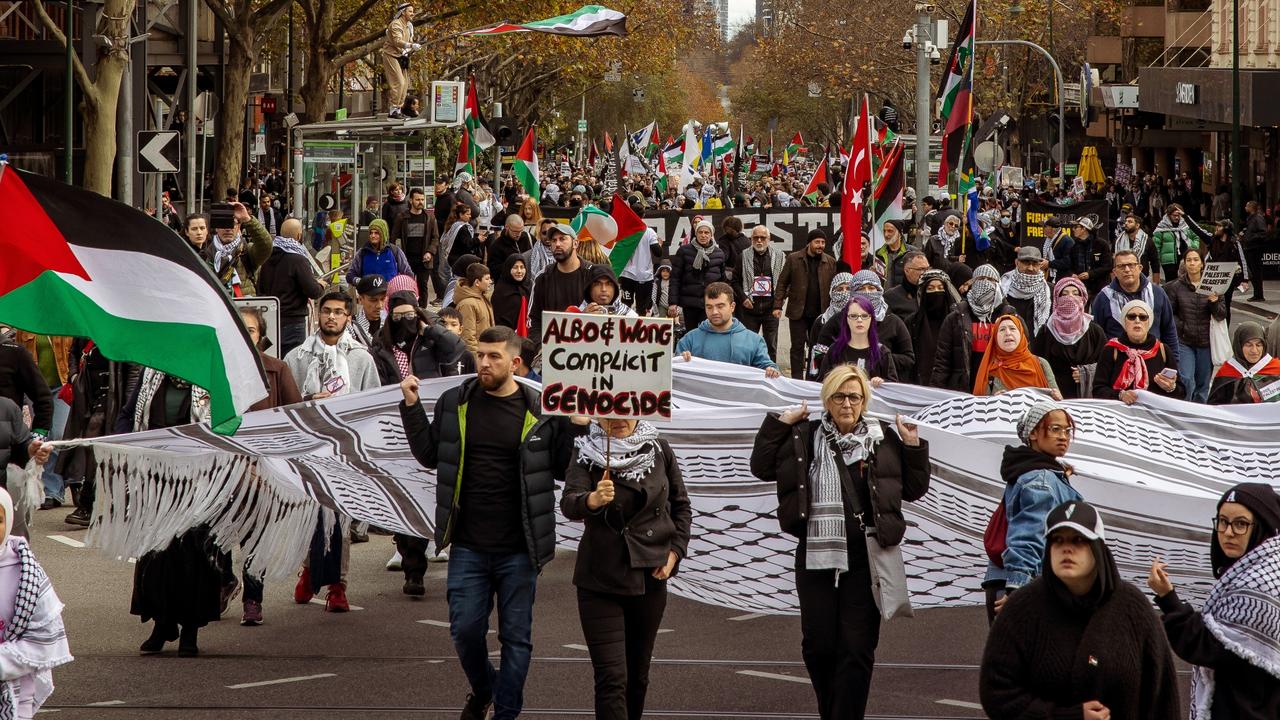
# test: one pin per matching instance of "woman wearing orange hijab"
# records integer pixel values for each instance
(1008, 364)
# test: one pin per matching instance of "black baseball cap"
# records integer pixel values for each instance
(372, 285)
(1076, 515)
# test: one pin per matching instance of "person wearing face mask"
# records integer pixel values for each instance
(511, 295)
(1251, 375)
(1004, 242)
(967, 331)
(1193, 312)
(1026, 289)
(1009, 364)
(1231, 641)
(1137, 360)
(472, 299)
(938, 299)
(1073, 340)
(33, 639)
(820, 335)
(1079, 641)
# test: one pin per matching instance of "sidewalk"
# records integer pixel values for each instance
(1269, 308)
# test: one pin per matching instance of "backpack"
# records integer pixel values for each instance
(996, 537)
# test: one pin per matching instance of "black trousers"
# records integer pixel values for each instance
(799, 339)
(425, 277)
(1253, 256)
(693, 316)
(840, 629)
(413, 555)
(769, 324)
(638, 295)
(620, 632)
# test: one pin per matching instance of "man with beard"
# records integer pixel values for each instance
(1132, 237)
(803, 292)
(1026, 290)
(497, 461)
(893, 254)
(418, 235)
(540, 257)
(562, 284)
(757, 270)
(330, 363)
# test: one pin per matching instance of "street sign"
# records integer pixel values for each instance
(158, 151)
(328, 151)
(582, 126)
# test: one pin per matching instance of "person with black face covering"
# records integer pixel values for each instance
(1078, 642)
(938, 298)
(409, 344)
(1232, 640)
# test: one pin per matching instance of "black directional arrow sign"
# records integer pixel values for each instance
(158, 151)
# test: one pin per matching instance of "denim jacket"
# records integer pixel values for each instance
(1027, 503)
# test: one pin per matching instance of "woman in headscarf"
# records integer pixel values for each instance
(1251, 375)
(458, 240)
(1136, 361)
(1009, 364)
(622, 475)
(1192, 313)
(33, 640)
(1232, 640)
(1073, 340)
(938, 299)
(839, 620)
(890, 328)
(966, 332)
(511, 295)
(857, 344)
(840, 291)
(1078, 641)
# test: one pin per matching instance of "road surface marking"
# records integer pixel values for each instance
(320, 601)
(959, 704)
(66, 540)
(751, 616)
(281, 681)
(774, 676)
(105, 703)
(435, 623)
(665, 630)
(576, 647)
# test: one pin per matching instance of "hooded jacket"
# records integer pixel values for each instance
(1035, 483)
(435, 352)
(737, 345)
(477, 313)
(509, 295)
(1172, 240)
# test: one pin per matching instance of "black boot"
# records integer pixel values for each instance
(160, 634)
(187, 644)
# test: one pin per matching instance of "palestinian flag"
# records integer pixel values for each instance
(481, 138)
(819, 176)
(138, 291)
(793, 149)
(628, 233)
(956, 94)
(661, 185)
(888, 192)
(723, 145)
(463, 163)
(526, 167)
(674, 148)
(586, 21)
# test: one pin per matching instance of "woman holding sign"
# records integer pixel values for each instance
(1193, 308)
(624, 484)
(1251, 375)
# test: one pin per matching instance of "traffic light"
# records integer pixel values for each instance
(503, 131)
(268, 105)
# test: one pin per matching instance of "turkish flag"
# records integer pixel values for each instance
(858, 174)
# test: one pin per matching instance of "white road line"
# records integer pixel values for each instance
(66, 540)
(320, 601)
(774, 676)
(435, 623)
(576, 647)
(959, 704)
(751, 616)
(665, 630)
(105, 703)
(281, 681)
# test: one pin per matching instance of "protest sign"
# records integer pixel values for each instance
(606, 366)
(1035, 212)
(1216, 278)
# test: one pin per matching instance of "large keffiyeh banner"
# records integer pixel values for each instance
(1155, 470)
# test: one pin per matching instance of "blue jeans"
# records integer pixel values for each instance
(1195, 366)
(474, 579)
(54, 486)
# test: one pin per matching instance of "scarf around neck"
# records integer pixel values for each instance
(948, 240)
(630, 458)
(325, 362)
(1022, 286)
(1015, 369)
(776, 260)
(826, 544)
(702, 258)
(1118, 298)
(37, 620)
(1133, 374)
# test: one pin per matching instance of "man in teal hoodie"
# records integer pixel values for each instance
(722, 337)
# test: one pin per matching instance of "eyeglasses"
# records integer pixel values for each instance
(1127, 266)
(1068, 430)
(1239, 526)
(860, 317)
(403, 315)
(849, 399)
(917, 268)
(333, 312)
(1140, 317)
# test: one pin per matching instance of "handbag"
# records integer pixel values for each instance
(1219, 341)
(888, 571)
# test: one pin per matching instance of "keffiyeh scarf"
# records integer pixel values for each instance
(869, 277)
(984, 297)
(838, 298)
(539, 258)
(1133, 374)
(147, 387)
(1241, 613)
(326, 361)
(948, 241)
(827, 546)
(36, 637)
(1119, 299)
(751, 266)
(1137, 244)
(1020, 285)
(1069, 321)
(629, 458)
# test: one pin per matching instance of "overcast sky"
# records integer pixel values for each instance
(741, 11)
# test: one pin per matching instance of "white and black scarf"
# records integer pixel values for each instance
(947, 240)
(1119, 298)
(630, 458)
(1241, 614)
(149, 384)
(827, 546)
(750, 266)
(539, 258)
(37, 623)
(1137, 244)
(1020, 285)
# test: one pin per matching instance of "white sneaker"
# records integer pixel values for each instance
(394, 562)
(442, 557)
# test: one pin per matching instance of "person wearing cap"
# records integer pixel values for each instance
(396, 47)
(562, 284)
(371, 301)
(1026, 289)
(1232, 640)
(1091, 256)
(803, 294)
(694, 266)
(378, 257)
(1079, 641)
(1137, 360)
(1036, 481)
(1130, 284)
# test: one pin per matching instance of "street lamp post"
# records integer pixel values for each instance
(1062, 104)
(923, 114)
(1237, 161)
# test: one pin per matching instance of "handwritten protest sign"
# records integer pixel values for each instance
(1216, 277)
(606, 366)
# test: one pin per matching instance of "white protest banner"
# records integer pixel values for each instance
(1216, 277)
(606, 366)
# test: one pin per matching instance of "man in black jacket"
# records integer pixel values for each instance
(496, 462)
(418, 235)
(21, 381)
(287, 276)
(1091, 256)
(17, 446)
(1255, 242)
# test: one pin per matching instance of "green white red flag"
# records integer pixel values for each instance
(526, 167)
(586, 21)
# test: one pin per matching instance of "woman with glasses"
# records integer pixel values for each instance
(1036, 481)
(1232, 640)
(1136, 361)
(1251, 375)
(841, 482)
(1008, 363)
(1079, 641)
(858, 344)
(891, 331)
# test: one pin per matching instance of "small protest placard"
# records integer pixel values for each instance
(606, 366)
(1216, 277)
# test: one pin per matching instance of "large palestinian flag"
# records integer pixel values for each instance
(630, 231)
(586, 21)
(79, 264)
(526, 167)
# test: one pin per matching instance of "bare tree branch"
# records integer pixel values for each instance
(375, 37)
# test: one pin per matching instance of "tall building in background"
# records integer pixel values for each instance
(720, 10)
(764, 15)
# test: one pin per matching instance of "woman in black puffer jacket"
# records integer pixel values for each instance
(823, 469)
(1192, 313)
